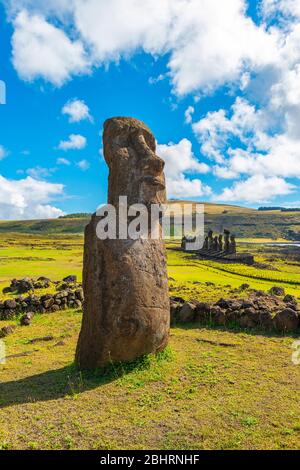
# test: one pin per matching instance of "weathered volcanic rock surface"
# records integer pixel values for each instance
(125, 282)
(260, 311)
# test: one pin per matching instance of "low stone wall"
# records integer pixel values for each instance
(260, 311)
(47, 303)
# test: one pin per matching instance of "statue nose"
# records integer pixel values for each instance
(153, 165)
(158, 164)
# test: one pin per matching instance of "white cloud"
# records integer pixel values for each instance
(188, 115)
(257, 188)
(3, 152)
(208, 46)
(243, 142)
(83, 165)
(75, 142)
(28, 199)
(155, 80)
(287, 7)
(63, 161)
(41, 50)
(77, 110)
(180, 159)
(180, 162)
(185, 188)
(40, 172)
(216, 129)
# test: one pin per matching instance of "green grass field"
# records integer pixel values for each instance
(211, 389)
(242, 394)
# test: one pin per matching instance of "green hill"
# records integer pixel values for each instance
(244, 222)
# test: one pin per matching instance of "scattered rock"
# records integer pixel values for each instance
(202, 312)
(218, 315)
(223, 303)
(245, 286)
(187, 313)
(10, 304)
(250, 319)
(48, 302)
(26, 319)
(79, 294)
(291, 302)
(7, 330)
(276, 290)
(266, 320)
(287, 320)
(70, 279)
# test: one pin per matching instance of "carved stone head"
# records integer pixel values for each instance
(135, 170)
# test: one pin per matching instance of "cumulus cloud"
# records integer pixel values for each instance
(180, 162)
(83, 165)
(188, 115)
(180, 159)
(75, 142)
(28, 199)
(41, 50)
(270, 8)
(39, 172)
(77, 110)
(216, 129)
(183, 188)
(63, 161)
(257, 188)
(208, 46)
(261, 142)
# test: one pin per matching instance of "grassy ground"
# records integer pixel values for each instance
(212, 389)
(58, 256)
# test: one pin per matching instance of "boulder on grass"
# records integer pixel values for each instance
(218, 315)
(266, 320)
(276, 290)
(287, 320)
(202, 312)
(70, 279)
(10, 304)
(187, 313)
(7, 330)
(26, 319)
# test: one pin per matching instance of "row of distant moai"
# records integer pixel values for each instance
(215, 245)
(219, 244)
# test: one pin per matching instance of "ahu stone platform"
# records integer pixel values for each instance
(219, 248)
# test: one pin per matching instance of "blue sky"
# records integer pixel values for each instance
(218, 84)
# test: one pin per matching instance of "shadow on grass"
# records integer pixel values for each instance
(68, 381)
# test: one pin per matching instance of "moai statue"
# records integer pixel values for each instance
(205, 245)
(232, 245)
(126, 308)
(220, 242)
(216, 243)
(210, 240)
(226, 241)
